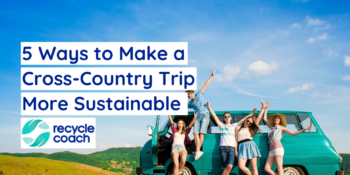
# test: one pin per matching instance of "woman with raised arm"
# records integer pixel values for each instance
(277, 124)
(247, 149)
(180, 138)
(227, 139)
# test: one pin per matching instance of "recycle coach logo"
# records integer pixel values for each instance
(32, 125)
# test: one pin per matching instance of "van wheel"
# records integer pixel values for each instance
(186, 170)
(288, 170)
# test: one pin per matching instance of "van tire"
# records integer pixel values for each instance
(186, 170)
(290, 170)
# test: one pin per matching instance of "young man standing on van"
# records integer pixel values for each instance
(198, 103)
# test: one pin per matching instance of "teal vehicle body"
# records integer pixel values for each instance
(310, 152)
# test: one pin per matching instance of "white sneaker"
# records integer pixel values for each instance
(195, 155)
(199, 154)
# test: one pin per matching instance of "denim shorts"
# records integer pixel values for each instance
(227, 155)
(201, 123)
(177, 148)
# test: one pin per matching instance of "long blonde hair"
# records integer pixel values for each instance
(183, 128)
(253, 128)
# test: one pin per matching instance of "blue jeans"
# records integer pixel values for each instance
(227, 155)
(201, 123)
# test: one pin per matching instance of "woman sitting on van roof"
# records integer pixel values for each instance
(227, 139)
(275, 135)
(180, 139)
(247, 149)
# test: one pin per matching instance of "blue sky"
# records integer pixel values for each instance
(294, 54)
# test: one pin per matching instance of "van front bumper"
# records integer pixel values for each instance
(139, 170)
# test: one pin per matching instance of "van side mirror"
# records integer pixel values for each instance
(149, 130)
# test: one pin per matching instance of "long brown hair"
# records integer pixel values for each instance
(253, 128)
(183, 128)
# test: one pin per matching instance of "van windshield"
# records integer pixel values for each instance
(164, 120)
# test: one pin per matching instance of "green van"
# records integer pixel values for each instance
(310, 152)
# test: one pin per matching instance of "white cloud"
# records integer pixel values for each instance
(330, 52)
(112, 145)
(303, 1)
(262, 68)
(199, 37)
(310, 40)
(322, 37)
(346, 77)
(304, 87)
(263, 9)
(192, 61)
(347, 60)
(312, 22)
(328, 26)
(281, 34)
(296, 25)
(254, 95)
(10, 112)
(317, 94)
(244, 74)
(229, 73)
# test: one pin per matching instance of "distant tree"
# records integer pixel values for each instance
(1, 173)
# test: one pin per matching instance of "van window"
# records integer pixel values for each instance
(306, 120)
(263, 127)
(292, 123)
(213, 127)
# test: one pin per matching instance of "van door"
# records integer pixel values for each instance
(155, 142)
(211, 149)
(261, 140)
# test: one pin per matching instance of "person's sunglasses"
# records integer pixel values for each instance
(248, 122)
(227, 116)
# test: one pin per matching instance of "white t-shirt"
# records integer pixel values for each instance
(228, 137)
(244, 134)
(179, 139)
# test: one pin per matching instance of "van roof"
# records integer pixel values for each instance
(249, 111)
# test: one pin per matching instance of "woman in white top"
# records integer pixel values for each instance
(227, 139)
(247, 149)
(179, 139)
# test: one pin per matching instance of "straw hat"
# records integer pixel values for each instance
(283, 119)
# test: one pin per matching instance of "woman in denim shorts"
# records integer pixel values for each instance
(277, 124)
(227, 139)
(179, 139)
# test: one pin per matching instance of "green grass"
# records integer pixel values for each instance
(345, 163)
(35, 165)
(125, 157)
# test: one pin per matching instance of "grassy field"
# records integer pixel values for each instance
(30, 165)
(119, 160)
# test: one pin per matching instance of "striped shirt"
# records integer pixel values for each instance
(199, 104)
(227, 134)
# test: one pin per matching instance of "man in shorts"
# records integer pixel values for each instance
(199, 104)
